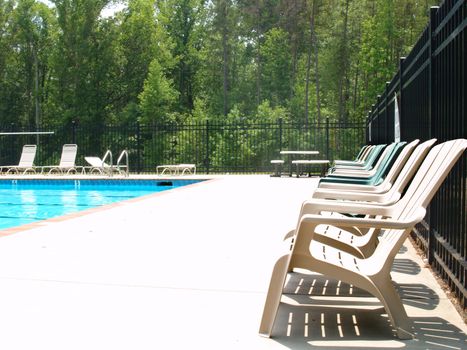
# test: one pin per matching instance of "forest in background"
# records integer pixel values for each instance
(158, 61)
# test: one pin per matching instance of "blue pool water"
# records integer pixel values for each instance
(26, 201)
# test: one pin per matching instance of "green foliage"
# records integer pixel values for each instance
(142, 39)
(157, 97)
(75, 88)
(267, 114)
(276, 67)
(25, 44)
(192, 61)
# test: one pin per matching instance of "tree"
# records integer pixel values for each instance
(139, 46)
(76, 89)
(70, 63)
(9, 90)
(27, 43)
(157, 97)
(182, 21)
(218, 56)
(277, 67)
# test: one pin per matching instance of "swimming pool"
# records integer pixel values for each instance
(27, 201)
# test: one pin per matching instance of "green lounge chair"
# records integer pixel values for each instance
(374, 177)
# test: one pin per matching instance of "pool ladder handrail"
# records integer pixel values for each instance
(123, 156)
(108, 169)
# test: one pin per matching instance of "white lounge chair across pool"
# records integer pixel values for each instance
(99, 166)
(176, 169)
(67, 161)
(26, 162)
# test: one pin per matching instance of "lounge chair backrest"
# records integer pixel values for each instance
(376, 175)
(375, 156)
(431, 160)
(68, 157)
(384, 155)
(431, 174)
(360, 153)
(448, 155)
(401, 175)
(387, 161)
(400, 162)
(96, 162)
(27, 156)
(363, 155)
(369, 159)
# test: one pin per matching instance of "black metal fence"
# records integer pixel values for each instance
(214, 147)
(432, 96)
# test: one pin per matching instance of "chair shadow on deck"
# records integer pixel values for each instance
(317, 312)
(406, 266)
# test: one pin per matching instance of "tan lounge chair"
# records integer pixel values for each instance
(356, 171)
(26, 161)
(384, 186)
(358, 159)
(371, 273)
(393, 186)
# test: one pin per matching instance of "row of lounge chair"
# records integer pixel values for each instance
(67, 164)
(358, 219)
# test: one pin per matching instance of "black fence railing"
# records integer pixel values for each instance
(214, 147)
(432, 96)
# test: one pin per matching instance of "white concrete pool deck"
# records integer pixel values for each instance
(189, 269)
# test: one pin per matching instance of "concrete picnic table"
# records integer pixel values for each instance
(292, 155)
(323, 162)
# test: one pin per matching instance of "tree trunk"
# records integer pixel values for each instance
(355, 88)
(258, 55)
(317, 83)
(344, 70)
(37, 109)
(225, 73)
(308, 63)
(225, 57)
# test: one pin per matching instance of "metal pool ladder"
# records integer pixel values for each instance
(123, 169)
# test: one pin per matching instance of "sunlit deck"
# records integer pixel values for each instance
(189, 269)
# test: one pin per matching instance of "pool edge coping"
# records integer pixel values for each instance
(26, 227)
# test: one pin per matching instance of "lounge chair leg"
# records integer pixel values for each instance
(273, 298)
(395, 309)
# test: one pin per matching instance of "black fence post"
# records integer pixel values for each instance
(206, 158)
(73, 131)
(401, 98)
(386, 108)
(280, 134)
(327, 138)
(373, 121)
(368, 127)
(380, 121)
(431, 49)
(431, 79)
(138, 147)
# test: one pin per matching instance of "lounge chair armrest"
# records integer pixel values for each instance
(289, 234)
(351, 187)
(348, 195)
(352, 173)
(315, 206)
(365, 222)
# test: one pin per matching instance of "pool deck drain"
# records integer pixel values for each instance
(190, 269)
